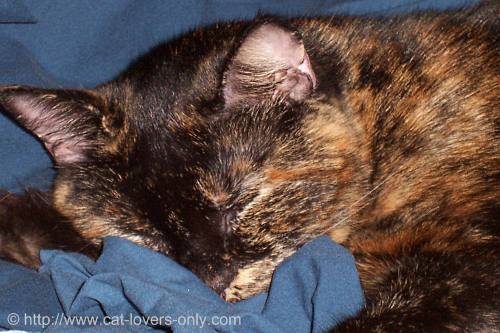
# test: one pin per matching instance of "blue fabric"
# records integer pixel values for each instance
(86, 42)
(311, 291)
(15, 11)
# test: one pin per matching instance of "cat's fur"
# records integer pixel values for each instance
(232, 146)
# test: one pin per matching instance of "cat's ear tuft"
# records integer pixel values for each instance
(66, 121)
(271, 62)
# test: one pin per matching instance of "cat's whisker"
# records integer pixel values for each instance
(375, 188)
(5, 197)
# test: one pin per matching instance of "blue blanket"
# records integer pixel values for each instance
(130, 288)
(59, 43)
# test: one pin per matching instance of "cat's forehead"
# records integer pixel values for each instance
(216, 68)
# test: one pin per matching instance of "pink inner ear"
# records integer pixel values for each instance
(271, 57)
(49, 127)
(306, 68)
(285, 47)
(66, 151)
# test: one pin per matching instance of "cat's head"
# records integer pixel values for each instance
(209, 149)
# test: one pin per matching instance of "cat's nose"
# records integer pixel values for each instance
(217, 271)
(220, 281)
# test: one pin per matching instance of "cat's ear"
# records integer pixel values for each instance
(271, 62)
(66, 121)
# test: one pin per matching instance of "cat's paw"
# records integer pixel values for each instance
(232, 295)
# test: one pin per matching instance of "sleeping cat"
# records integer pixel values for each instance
(230, 147)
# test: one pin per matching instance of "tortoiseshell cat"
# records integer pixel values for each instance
(230, 147)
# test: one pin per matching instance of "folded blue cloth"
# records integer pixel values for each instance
(129, 285)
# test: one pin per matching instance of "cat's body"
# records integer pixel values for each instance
(229, 148)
